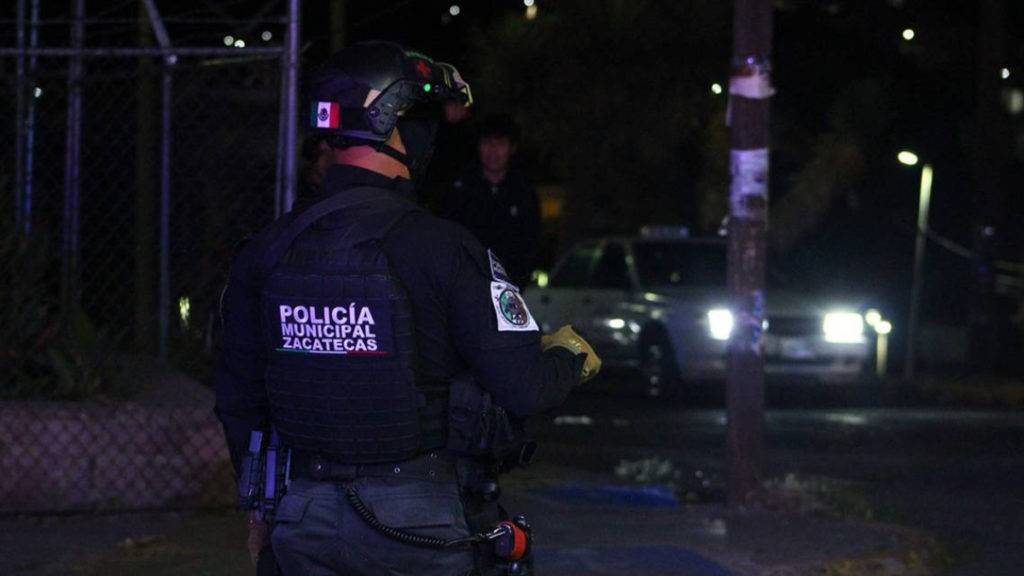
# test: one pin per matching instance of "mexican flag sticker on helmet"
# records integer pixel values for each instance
(326, 115)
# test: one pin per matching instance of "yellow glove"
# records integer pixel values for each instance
(567, 338)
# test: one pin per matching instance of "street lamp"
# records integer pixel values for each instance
(924, 202)
(883, 329)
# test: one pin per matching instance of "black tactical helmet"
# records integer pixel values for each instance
(359, 94)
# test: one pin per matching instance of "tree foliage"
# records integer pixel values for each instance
(614, 96)
(616, 101)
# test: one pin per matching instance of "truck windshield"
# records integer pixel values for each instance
(681, 264)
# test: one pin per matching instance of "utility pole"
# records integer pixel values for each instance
(750, 92)
(920, 244)
(991, 143)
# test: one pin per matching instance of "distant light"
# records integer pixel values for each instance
(1015, 101)
(883, 327)
(909, 34)
(454, 9)
(843, 327)
(907, 157)
(616, 323)
(716, 88)
(664, 231)
(229, 40)
(872, 317)
(37, 92)
(184, 309)
(531, 11)
(1005, 73)
(266, 36)
(720, 323)
(540, 277)
(428, 87)
(527, 3)
(239, 43)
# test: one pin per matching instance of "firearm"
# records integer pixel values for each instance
(252, 472)
(264, 480)
(265, 469)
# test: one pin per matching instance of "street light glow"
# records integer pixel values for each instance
(907, 157)
(229, 40)
(184, 308)
(531, 11)
(872, 317)
(909, 34)
(266, 36)
(716, 88)
(527, 3)
(1005, 73)
(239, 43)
(720, 323)
(883, 327)
(454, 9)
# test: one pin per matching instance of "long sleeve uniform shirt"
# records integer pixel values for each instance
(459, 325)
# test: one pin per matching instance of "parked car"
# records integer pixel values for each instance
(658, 302)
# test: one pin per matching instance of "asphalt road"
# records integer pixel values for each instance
(956, 473)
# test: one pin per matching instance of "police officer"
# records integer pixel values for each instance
(495, 202)
(346, 321)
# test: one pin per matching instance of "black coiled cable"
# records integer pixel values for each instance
(400, 535)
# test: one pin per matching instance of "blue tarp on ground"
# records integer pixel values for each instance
(654, 560)
(647, 496)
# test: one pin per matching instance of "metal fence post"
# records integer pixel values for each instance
(72, 160)
(279, 164)
(19, 118)
(30, 125)
(289, 110)
(164, 296)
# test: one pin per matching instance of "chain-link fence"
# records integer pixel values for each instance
(116, 234)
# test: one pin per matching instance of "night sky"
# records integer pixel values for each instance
(822, 48)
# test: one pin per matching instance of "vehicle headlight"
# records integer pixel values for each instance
(720, 323)
(843, 327)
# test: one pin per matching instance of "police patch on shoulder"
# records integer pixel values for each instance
(510, 309)
(498, 272)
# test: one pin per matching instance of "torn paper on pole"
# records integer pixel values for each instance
(748, 195)
(757, 84)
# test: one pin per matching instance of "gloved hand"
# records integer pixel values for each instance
(567, 338)
(259, 532)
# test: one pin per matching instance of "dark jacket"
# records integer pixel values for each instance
(504, 217)
(450, 281)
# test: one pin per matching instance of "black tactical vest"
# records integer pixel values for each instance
(339, 332)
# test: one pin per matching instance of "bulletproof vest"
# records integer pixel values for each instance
(339, 334)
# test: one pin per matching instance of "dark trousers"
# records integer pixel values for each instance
(318, 533)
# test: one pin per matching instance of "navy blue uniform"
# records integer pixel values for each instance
(504, 217)
(449, 279)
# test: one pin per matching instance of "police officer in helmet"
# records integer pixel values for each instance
(347, 320)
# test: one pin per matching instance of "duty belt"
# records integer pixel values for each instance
(434, 466)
